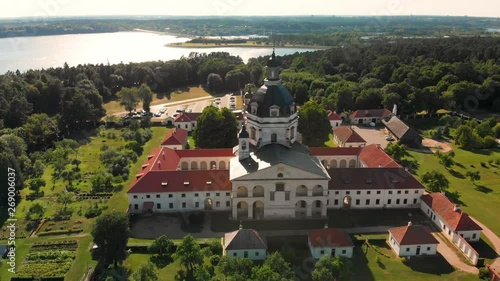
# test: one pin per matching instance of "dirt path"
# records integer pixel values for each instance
(494, 240)
(435, 145)
(450, 254)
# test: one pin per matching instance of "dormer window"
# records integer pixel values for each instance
(274, 111)
(253, 108)
(292, 108)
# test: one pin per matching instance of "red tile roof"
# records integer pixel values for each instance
(175, 136)
(208, 153)
(347, 135)
(182, 181)
(187, 116)
(456, 219)
(412, 235)
(333, 116)
(319, 151)
(330, 237)
(243, 239)
(373, 156)
(371, 179)
(376, 113)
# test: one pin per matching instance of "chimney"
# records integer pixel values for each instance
(456, 208)
(410, 223)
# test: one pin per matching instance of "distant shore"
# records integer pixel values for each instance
(249, 44)
(162, 33)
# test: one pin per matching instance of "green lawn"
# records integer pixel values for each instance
(390, 267)
(330, 142)
(481, 200)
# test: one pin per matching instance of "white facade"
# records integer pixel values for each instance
(318, 252)
(412, 250)
(335, 123)
(167, 202)
(188, 126)
(267, 130)
(374, 198)
(252, 254)
(204, 163)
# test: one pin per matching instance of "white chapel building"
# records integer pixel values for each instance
(269, 174)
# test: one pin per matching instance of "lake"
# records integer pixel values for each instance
(36, 52)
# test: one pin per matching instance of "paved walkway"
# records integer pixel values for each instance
(494, 240)
(450, 254)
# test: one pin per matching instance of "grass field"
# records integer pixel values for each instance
(88, 153)
(390, 267)
(174, 96)
(482, 199)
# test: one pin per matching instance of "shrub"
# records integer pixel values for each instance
(60, 232)
(214, 260)
(93, 212)
(484, 273)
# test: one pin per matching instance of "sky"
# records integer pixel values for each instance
(58, 8)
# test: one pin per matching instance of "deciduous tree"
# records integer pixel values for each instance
(435, 181)
(314, 124)
(111, 232)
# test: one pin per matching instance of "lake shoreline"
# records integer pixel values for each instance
(209, 46)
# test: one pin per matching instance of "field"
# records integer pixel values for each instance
(88, 153)
(174, 96)
(482, 199)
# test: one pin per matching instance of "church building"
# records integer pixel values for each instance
(269, 174)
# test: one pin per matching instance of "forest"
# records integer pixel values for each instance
(266, 25)
(40, 107)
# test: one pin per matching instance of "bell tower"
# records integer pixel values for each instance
(244, 143)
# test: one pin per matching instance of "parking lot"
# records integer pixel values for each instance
(372, 135)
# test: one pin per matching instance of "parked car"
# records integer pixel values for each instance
(162, 110)
(189, 110)
(158, 114)
(389, 138)
(179, 110)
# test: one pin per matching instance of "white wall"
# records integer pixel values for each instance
(334, 161)
(327, 251)
(369, 198)
(252, 254)
(177, 200)
(281, 126)
(335, 123)
(411, 250)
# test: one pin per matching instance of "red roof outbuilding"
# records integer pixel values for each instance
(332, 116)
(347, 135)
(175, 136)
(330, 238)
(412, 235)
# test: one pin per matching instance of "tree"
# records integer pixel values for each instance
(146, 272)
(332, 268)
(215, 129)
(36, 209)
(465, 137)
(277, 263)
(189, 253)
(65, 198)
(435, 181)
(446, 159)
(102, 182)
(214, 82)
(265, 272)
(40, 131)
(396, 150)
(235, 268)
(314, 124)
(146, 96)
(111, 232)
(162, 249)
(473, 176)
(129, 98)
(36, 183)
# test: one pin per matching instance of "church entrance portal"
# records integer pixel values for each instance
(209, 204)
(346, 202)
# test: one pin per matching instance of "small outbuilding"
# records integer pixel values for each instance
(402, 132)
(330, 241)
(412, 240)
(345, 136)
(244, 243)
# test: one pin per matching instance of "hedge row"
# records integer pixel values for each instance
(58, 232)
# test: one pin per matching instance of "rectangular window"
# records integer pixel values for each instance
(228, 203)
(136, 206)
(245, 254)
(336, 202)
(358, 192)
(217, 194)
(322, 252)
(405, 201)
(197, 204)
(336, 193)
(399, 191)
(377, 202)
(390, 191)
(474, 236)
(135, 196)
(280, 187)
(368, 192)
(234, 254)
(183, 195)
(148, 196)
(271, 196)
(378, 191)
(344, 251)
(171, 205)
(287, 196)
(416, 191)
(408, 249)
(415, 201)
(228, 194)
(170, 195)
(347, 192)
(428, 248)
(389, 202)
(183, 205)
(256, 254)
(217, 204)
(397, 201)
(357, 201)
(158, 206)
(367, 201)
(157, 195)
(196, 195)
(207, 194)
(406, 191)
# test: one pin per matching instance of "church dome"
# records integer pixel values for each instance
(269, 96)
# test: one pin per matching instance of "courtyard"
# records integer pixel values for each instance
(372, 135)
